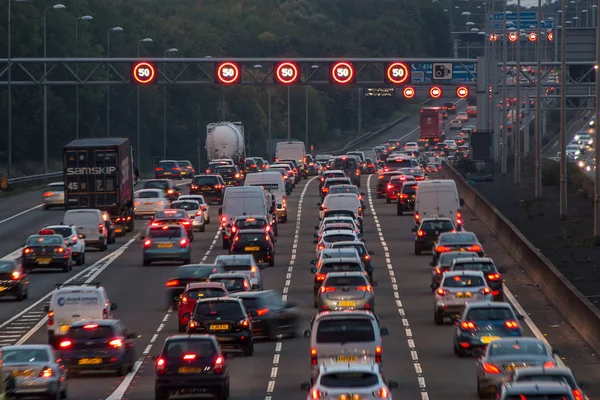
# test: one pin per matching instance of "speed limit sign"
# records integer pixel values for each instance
(143, 73)
(342, 73)
(228, 73)
(396, 73)
(286, 73)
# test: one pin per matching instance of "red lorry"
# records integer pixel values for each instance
(431, 125)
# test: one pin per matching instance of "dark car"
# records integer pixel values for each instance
(449, 107)
(371, 167)
(211, 186)
(541, 374)
(230, 174)
(191, 364)
(212, 166)
(330, 174)
(395, 185)
(493, 275)
(94, 345)
(382, 182)
(310, 166)
(14, 281)
(171, 191)
(351, 167)
(246, 222)
(174, 216)
(328, 265)
(270, 315)
(406, 198)
(457, 241)
(429, 231)
(168, 169)
(443, 265)
(187, 169)
(256, 242)
(331, 182)
(298, 172)
(226, 319)
(251, 165)
(188, 274)
(46, 251)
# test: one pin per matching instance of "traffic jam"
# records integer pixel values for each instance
(221, 308)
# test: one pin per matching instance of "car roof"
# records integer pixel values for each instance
(233, 257)
(228, 275)
(473, 260)
(348, 243)
(339, 260)
(489, 304)
(250, 231)
(436, 219)
(345, 314)
(450, 274)
(345, 274)
(333, 171)
(240, 217)
(340, 232)
(99, 322)
(56, 184)
(57, 226)
(555, 371)
(335, 367)
(220, 300)
(27, 347)
(244, 295)
(195, 336)
(209, 285)
(532, 388)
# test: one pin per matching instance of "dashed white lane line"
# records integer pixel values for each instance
(120, 391)
(288, 281)
(21, 213)
(405, 323)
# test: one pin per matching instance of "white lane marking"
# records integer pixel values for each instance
(409, 336)
(109, 259)
(14, 255)
(120, 391)
(279, 344)
(21, 213)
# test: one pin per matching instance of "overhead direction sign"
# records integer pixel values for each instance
(421, 73)
(525, 16)
(528, 25)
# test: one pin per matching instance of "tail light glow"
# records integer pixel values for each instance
(577, 394)
(116, 343)
(494, 277)
(189, 357)
(261, 312)
(147, 243)
(320, 277)
(15, 275)
(378, 353)
(468, 325)
(485, 291)
(442, 292)
(65, 344)
(366, 288)
(172, 282)
(327, 289)
(161, 365)
(475, 249)
(183, 243)
(420, 233)
(511, 324)
(490, 368)
(46, 373)
(50, 318)
(550, 364)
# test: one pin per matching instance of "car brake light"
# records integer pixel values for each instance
(313, 357)
(485, 291)
(494, 277)
(161, 365)
(100, 228)
(367, 288)
(184, 300)
(243, 323)
(170, 191)
(65, 344)
(116, 343)
(475, 249)
(378, 352)
(219, 363)
(511, 324)
(50, 318)
(321, 246)
(549, 364)
(442, 249)
(389, 186)
(199, 213)
(320, 277)
(367, 257)
(577, 394)
(189, 357)
(158, 169)
(382, 393)
(90, 326)
(59, 250)
(490, 368)
(185, 223)
(442, 292)
(468, 325)
(15, 275)
(147, 243)
(172, 282)
(316, 394)
(223, 220)
(262, 312)
(420, 233)
(183, 242)
(48, 194)
(46, 372)
(438, 271)
(27, 250)
(105, 314)
(327, 289)
(417, 216)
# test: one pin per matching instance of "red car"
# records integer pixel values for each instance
(395, 185)
(472, 111)
(194, 292)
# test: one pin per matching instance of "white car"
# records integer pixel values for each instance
(194, 211)
(330, 237)
(411, 146)
(455, 124)
(451, 144)
(363, 379)
(203, 204)
(573, 151)
(72, 239)
(54, 195)
(462, 116)
(456, 289)
(148, 201)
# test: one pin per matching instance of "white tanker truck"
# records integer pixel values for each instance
(225, 140)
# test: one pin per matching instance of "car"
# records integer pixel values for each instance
(428, 232)
(73, 240)
(187, 169)
(191, 294)
(541, 374)
(166, 243)
(535, 390)
(450, 107)
(443, 265)
(185, 275)
(451, 144)
(503, 356)
(493, 275)
(331, 173)
(327, 265)
(34, 370)
(482, 323)
(457, 241)
(98, 345)
(271, 317)
(345, 336)
(395, 185)
(347, 252)
(345, 188)
(251, 165)
(111, 228)
(204, 206)
(455, 124)
(194, 212)
(329, 182)
(225, 318)
(46, 251)
(191, 364)
(411, 146)
(336, 225)
(336, 379)
(174, 217)
(346, 290)
(232, 176)
(382, 182)
(289, 177)
(294, 167)
(456, 290)
(149, 201)
(168, 169)
(462, 116)
(256, 242)
(54, 195)
(364, 254)
(211, 186)
(234, 282)
(212, 166)
(311, 167)
(330, 237)
(471, 111)
(245, 222)
(14, 281)
(406, 197)
(242, 264)
(338, 219)
(171, 190)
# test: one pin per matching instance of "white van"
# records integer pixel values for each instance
(238, 201)
(70, 304)
(343, 201)
(438, 198)
(291, 150)
(271, 182)
(90, 223)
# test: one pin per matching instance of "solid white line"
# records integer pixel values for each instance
(21, 213)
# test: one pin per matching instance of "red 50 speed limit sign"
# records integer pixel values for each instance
(397, 73)
(228, 73)
(143, 73)
(342, 72)
(286, 73)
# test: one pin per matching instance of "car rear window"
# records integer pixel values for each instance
(233, 267)
(338, 253)
(251, 223)
(188, 205)
(398, 163)
(205, 180)
(43, 240)
(184, 163)
(196, 271)
(232, 284)
(349, 380)
(248, 238)
(24, 356)
(220, 309)
(335, 175)
(458, 238)
(64, 232)
(147, 195)
(483, 267)
(165, 232)
(91, 332)
(176, 349)
(446, 258)
(349, 163)
(361, 249)
(463, 281)
(517, 348)
(204, 293)
(167, 164)
(445, 226)
(340, 267)
(199, 199)
(339, 238)
(409, 189)
(346, 281)
(337, 181)
(156, 185)
(345, 330)
(490, 314)
(537, 397)
(171, 213)
(226, 170)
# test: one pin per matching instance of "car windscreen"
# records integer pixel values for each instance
(205, 180)
(338, 238)
(340, 267)
(346, 281)
(349, 380)
(347, 330)
(24, 356)
(218, 309)
(463, 281)
(231, 284)
(156, 185)
(250, 238)
(443, 226)
(483, 267)
(37, 240)
(205, 293)
(187, 205)
(517, 348)
(165, 232)
(446, 258)
(490, 314)
(458, 238)
(176, 349)
(251, 223)
(91, 332)
(150, 194)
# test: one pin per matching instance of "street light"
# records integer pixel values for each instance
(171, 50)
(83, 18)
(315, 67)
(586, 17)
(9, 92)
(258, 66)
(138, 143)
(58, 6)
(115, 29)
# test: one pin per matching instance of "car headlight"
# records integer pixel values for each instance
(577, 152)
(581, 164)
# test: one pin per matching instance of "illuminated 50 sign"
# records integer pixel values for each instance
(286, 73)
(342, 73)
(228, 73)
(396, 73)
(143, 73)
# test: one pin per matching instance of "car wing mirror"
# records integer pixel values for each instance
(305, 387)
(315, 241)
(46, 308)
(502, 270)
(319, 204)
(520, 317)
(313, 262)
(306, 333)
(461, 202)
(556, 352)
(583, 384)
(317, 227)
(371, 253)
(413, 230)
(375, 284)
(384, 331)
(142, 237)
(113, 306)
(315, 235)
(392, 385)
(313, 270)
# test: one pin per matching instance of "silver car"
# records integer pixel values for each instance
(456, 290)
(54, 195)
(34, 370)
(194, 212)
(443, 265)
(503, 356)
(346, 291)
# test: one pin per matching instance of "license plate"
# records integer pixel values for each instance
(165, 245)
(347, 358)
(90, 361)
(347, 304)
(252, 248)
(44, 260)
(489, 339)
(167, 173)
(222, 327)
(511, 368)
(25, 372)
(206, 188)
(190, 370)
(147, 203)
(2, 288)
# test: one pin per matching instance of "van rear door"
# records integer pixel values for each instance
(76, 305)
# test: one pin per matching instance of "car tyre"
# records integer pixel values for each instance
(480, 392)
(388, 200)
(67, 267)
(63, 393)
(438, 318)
(186, 261)
(459, 351)
(122, 371)
(399, 211)
(146, 263)
(207, 221)
(249, 349)
(160, 394)
(284, 219)
(272, 261)
(202, 228)
(181, 327)
(417, 250)
(103, 246)
(82, 258)
(223, 393)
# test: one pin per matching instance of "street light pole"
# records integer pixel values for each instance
(289, 132)
(306, 116)
(516, 117)
(538, 107)
(563, 117)
(270, 132)
(84, 18)
(503, 162)
(171, 50)
(597, 147)
(115, 29)
(139, 140)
